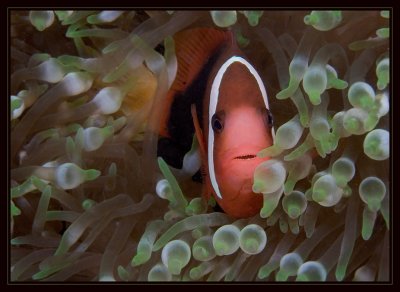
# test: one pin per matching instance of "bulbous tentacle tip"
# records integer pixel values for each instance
(224, 18)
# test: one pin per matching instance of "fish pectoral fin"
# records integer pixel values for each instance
(199, 133)
(206, 188)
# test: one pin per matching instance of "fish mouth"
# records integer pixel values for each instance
(246, 157)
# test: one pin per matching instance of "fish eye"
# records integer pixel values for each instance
(217, 123)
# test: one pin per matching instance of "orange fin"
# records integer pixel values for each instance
(207, 189)
(193, 48)
(198, 133)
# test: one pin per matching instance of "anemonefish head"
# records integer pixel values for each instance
(238, 126)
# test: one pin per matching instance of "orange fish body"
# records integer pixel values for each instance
(232, 119)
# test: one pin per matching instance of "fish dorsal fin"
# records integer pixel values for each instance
(193, 48)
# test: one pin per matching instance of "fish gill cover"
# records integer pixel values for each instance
(91, 201)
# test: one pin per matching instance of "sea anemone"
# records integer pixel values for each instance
(91, 201)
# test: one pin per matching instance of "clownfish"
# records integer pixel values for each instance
(218, 96)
